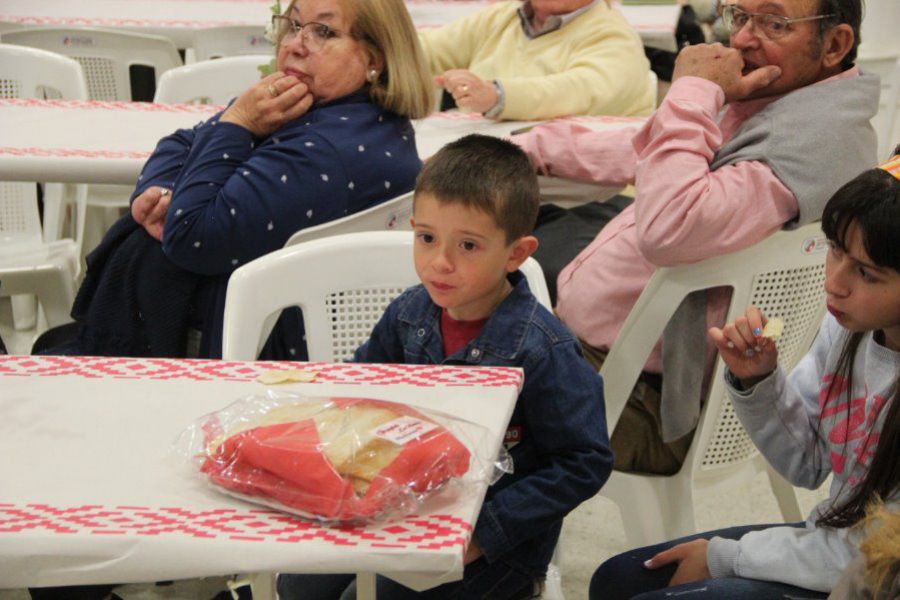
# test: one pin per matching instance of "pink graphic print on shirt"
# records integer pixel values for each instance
(847, 424)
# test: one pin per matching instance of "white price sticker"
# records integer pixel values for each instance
(403, 430)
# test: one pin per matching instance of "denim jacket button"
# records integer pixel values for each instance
(420, 332)
(475, 352)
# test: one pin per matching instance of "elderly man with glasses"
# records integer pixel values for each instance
(749, 139)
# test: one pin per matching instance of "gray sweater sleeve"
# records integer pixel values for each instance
(781, 414)
(809, 557)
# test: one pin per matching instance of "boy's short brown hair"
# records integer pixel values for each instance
(489, 174)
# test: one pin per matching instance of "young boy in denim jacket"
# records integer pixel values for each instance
(475, 204)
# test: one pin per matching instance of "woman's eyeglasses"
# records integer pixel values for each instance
(314, 35)
(770, 26)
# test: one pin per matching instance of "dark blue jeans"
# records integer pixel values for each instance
(625, 577)
(495, 581)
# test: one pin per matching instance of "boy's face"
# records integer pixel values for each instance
(462, 257)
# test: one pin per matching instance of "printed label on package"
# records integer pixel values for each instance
(403, 430)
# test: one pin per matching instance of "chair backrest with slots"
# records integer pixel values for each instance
(20, 222)
(32, 73)
(392, 215)
(783, 275)
(342, 283)
(210, 81)
(231, 40)
(795, 293)
(35, 73)
(117, 65)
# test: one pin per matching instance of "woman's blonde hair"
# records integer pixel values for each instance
(385, 28)
(882, 547)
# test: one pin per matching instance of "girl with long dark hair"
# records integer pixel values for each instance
(837, 413)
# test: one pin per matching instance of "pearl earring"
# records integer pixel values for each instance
(373, 75)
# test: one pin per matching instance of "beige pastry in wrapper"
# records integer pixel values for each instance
(345, 433)
(773, 329)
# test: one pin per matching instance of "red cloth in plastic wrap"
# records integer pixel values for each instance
(286, 462)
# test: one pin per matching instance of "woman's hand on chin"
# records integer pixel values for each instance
(269, 104)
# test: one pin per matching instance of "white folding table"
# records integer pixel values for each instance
(89, 492)
(108, 142)
(178, 19)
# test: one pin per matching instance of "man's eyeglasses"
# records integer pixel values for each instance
(770, 26)
(314, 35)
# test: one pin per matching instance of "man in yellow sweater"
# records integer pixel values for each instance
(540, 59)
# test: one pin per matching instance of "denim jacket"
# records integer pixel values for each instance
(561, 451)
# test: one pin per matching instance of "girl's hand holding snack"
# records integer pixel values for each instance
(749, 355)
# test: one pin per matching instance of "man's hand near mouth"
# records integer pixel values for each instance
(724, 67)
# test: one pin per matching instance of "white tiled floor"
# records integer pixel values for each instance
(592, 533)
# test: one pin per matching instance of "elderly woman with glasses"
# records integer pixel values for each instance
(325, 136)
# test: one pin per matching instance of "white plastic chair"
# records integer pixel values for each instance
(107, 58)
(342, 283)
(32, 258)
(105, 55)
(394, 215)
(391, 215)
(231, 40)
(784, 276)
(35, 73)
(210, 81)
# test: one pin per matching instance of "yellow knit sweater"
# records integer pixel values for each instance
(593, 65)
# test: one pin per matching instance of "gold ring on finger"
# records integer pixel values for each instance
(273, 91)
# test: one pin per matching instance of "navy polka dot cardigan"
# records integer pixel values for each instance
(236, 197)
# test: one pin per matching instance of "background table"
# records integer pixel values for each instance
(72, 141)
(108, 142)
(88, 493)
(177, 19)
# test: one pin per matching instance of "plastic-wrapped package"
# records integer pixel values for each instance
(332, 458)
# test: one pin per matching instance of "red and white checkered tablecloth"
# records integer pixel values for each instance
(91, 492)
(224, 370)
(426, 532)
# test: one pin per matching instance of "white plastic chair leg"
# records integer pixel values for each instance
(679, 519)
(786, 496)
(553, 583)
(643, 521)
(24, 311)
(54, 211)
(365, 586)
(262, 586)
(654, 509)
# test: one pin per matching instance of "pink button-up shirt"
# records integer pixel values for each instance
(683, 212)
